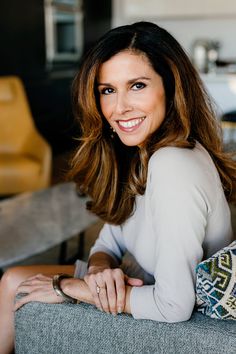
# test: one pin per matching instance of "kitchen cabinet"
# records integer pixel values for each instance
(222, 88)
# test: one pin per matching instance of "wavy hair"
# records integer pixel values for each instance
(111, 173)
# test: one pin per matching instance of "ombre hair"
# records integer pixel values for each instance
(111, 173)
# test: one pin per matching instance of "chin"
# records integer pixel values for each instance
(129, 142)
(132, 140)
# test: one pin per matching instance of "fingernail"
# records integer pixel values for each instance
(113, 313)
(119, 310)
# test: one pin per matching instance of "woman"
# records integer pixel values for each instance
(151, 160)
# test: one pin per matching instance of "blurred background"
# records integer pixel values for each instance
(43, 41)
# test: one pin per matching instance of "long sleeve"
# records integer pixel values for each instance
(110, 241)
(178, 204)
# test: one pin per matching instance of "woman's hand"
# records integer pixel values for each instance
(38, 288)
(108, 288)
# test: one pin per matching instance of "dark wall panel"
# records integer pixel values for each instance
(97, 20)
(22, 37)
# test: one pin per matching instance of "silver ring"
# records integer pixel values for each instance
(98, 289)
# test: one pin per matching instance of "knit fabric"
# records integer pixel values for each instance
(71, 329)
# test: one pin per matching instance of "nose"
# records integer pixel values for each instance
(122, 104)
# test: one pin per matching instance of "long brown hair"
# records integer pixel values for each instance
(111, 173)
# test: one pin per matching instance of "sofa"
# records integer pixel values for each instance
(81, 328)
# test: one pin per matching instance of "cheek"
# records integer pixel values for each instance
(105, 107)
(160, 106)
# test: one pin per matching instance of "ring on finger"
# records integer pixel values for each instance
(98, 289)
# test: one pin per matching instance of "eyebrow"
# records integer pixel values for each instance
(131, 81)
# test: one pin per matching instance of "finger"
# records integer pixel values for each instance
(46, 295)
(35, 276)
(102, 295)
(24, 289)
(103, 299)
(33, 285)
(22, 301)
(111, 297)
(116, 291)
(38, 279)
(90, 280)
(133, 281)
(120, 291)
(109, 277)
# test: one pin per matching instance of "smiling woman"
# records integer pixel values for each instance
(134, 101)
(151, 160)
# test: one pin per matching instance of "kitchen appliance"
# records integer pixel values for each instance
(64, 30)
(205, 54)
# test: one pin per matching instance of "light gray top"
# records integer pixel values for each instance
(182, 215)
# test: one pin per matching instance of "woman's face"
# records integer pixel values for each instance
(132, 96)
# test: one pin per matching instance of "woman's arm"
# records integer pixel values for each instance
(105, 279)
(103, 274)
(108, 284)
(100, 261)
(177, 211)
(40, 288)
(78, 289)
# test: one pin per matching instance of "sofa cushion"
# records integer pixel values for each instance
(70, 329)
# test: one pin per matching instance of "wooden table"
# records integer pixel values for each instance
(32, 223)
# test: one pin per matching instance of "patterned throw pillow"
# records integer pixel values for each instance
(216, 284)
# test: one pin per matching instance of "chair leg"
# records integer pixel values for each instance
(81, 240)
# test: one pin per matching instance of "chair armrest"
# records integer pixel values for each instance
(38, 148)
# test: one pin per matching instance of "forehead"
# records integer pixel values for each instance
(126, 63)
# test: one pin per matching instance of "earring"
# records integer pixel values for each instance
(112, 132)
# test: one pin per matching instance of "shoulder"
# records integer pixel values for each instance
(174, 156)
(183, 166)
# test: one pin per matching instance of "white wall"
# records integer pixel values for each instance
(187, 20)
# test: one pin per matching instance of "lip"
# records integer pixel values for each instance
(130, 125)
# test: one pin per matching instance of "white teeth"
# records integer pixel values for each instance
(131, 123)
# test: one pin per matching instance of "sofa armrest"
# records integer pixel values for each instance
(70, 329)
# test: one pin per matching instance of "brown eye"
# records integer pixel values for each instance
(107, 91)
(138, 86)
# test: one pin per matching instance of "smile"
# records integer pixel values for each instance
(127, 124)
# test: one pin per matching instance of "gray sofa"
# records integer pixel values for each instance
(71, 329)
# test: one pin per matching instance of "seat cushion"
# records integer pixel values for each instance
(18, 173)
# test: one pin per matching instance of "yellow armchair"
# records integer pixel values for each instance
(25, 157)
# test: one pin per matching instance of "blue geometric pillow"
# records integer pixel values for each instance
(216, 284)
